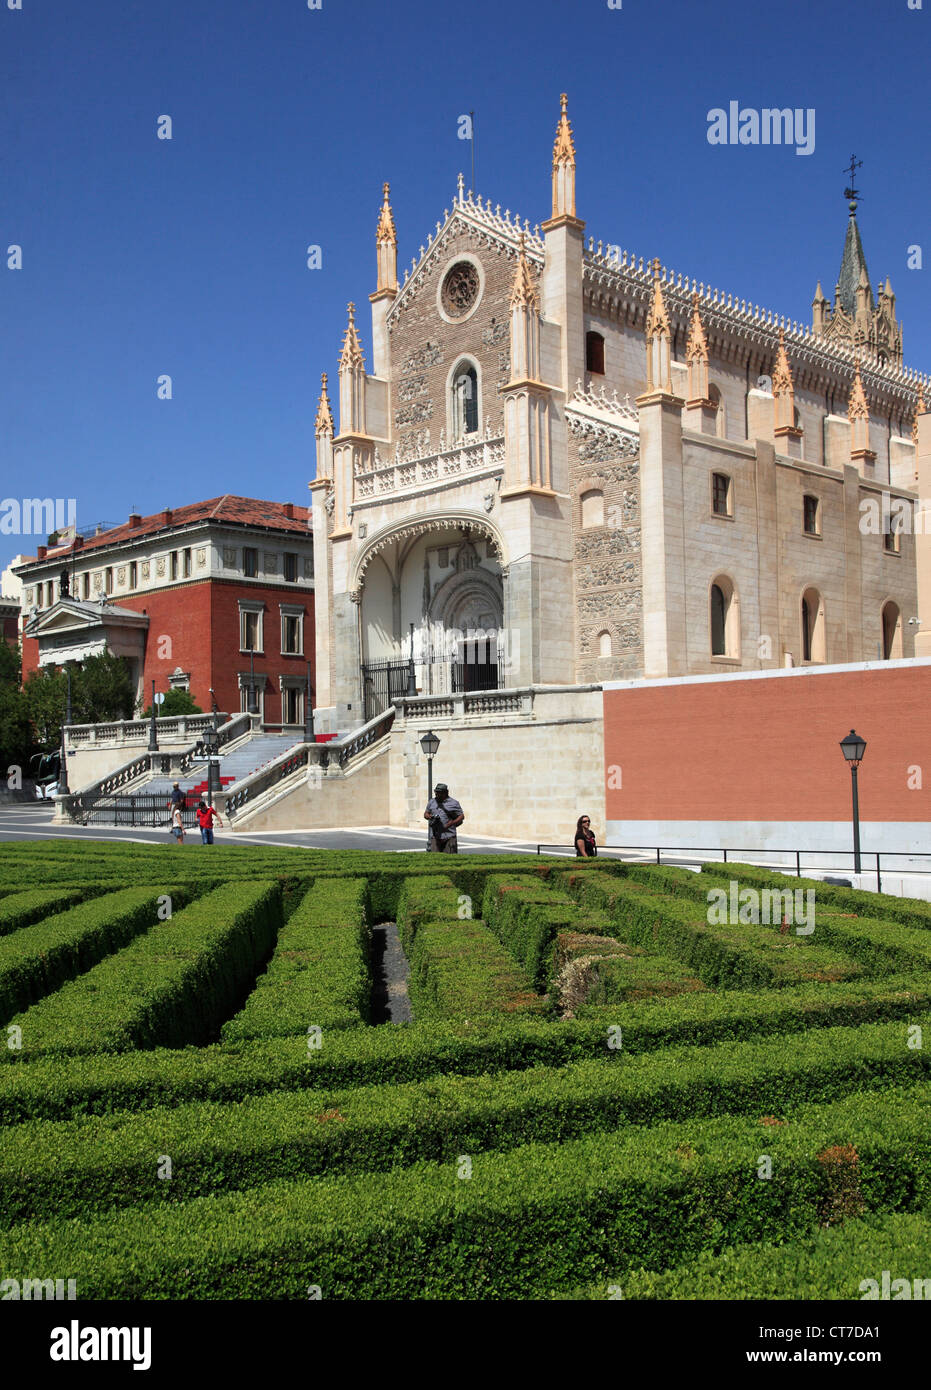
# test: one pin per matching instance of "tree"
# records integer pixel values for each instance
(101, 690)
(44, 700)
(15, 733)
(175, 702)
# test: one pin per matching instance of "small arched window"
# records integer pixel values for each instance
(595, 353)
(725, 619)
(465, 401)
(813, 639)
(892, 631)
(593, 508)
(604, 644)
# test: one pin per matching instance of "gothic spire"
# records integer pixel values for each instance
(386, 231)
(852, 268)
(523, 290)
(386, 248)
(351, 354)
(324, 422)
(857, 407)
(564, 165)
(659, 359)
(696, 349)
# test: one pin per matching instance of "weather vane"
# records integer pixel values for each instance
(852, 193)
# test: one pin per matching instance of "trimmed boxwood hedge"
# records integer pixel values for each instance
(527, 915)
(319, 974)
(21, 909)
(530, 1221)
(63, 1169)
(911, 912)
(174, 985)
(458, 970)
(740, 956)
(38, 959)
(832, 1263)
(99, 1084)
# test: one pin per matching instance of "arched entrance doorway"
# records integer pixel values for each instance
(431, 598)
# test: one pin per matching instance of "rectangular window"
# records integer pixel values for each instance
(291, 712)
(187, 563)
(720, 494)
(108, 580)
(250, 630)
(133, 574)
(292, 634)
(250, 561)
(891, 538)
(86, 584)
(290, 567)
(174, 564)
(812, 517)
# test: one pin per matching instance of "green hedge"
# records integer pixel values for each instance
(21, 909)
(835, 1263)
(175, 985)
(319, 974)
(535, 1219)
(527, 915)
(38, 959)
(70, 1168)
(911, 912)
(99, 1084)
(740, 956)
(458, 970)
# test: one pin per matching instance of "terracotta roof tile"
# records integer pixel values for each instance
(241, 511)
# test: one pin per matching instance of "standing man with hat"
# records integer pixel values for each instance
(444, 813)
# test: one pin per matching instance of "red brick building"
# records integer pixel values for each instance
(9, 621)
(193, 598)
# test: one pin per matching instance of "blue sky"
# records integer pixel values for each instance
(187, 257)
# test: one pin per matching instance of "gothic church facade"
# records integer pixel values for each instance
(565, 466)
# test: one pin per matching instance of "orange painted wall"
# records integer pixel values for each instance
(767, 749)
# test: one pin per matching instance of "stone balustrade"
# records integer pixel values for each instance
(458, 460)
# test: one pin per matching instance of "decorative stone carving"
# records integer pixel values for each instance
(229, 557)
(308, 567)
(488, 501)
(496, 332)
(271, 562)
(201, 557)
(428, 356)
(329, 503)
(121, 574)
(145, 569)
(460, 289)
(160, 567)
(411, 387)
(363, 530)
(413, 414)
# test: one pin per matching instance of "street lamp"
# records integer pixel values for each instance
(853, 747)
(309, 735)
(253, 701)
(215, 708)
(63, 788)
(429, 743)
(153, 732)
(211, 746)
(411, 680)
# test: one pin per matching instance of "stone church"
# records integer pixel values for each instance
(565, 465)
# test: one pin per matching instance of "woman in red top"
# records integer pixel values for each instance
(206, 815)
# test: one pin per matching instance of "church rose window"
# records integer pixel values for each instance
(460, 289)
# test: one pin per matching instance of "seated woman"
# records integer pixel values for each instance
(585, 846)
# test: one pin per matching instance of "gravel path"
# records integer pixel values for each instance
(390, 1001)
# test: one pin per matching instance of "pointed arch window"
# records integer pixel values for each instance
(465, 401)
(813, 638)
(725, 619)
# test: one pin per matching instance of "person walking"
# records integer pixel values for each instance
(585, 847)
(178, 797)
(206, 816)
(444, 814)
(177, 824)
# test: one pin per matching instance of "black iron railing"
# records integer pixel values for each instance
(760, 859)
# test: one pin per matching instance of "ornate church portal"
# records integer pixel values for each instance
(432, 613)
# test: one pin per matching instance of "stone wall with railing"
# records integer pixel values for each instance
(454, 461)
(99, 751)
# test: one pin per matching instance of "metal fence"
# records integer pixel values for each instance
(148, 811)
(791, 859)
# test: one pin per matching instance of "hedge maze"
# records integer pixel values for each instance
(607, 1089)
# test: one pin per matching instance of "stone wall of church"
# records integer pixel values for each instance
(608, 592)
(424, 347)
